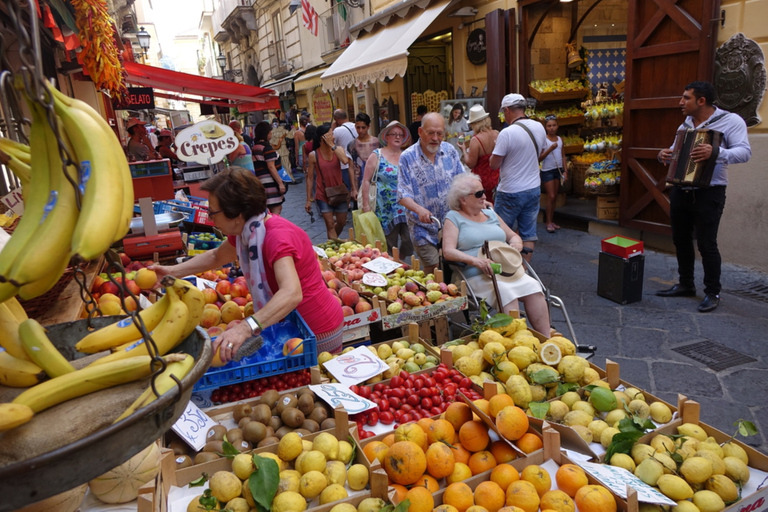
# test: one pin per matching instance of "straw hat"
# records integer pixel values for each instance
(477, 113)
(133, 122)
(383, 133)
(510, 259)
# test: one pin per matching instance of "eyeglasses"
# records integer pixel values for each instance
(478, 194)
(397, 135)
(211, 213)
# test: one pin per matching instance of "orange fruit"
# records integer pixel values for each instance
(490, 496)
(498, 402)
(424, 423)
(477, 508)
(461, 454)
(504, 475)
(570, 478)
(400, 491)
(529, 442)
(460, 472)
(389, 439)
(411, 432)
(445, 508)
(440, 460)
(558, 501)
(375, 450)
(428, 481)
(458, 413)
(502, 452)
(459, 495)
(473, 435)
(523, 494)
(482, 404)
(405, 462)
(538, 476)
(421, 499)
(595, 498)
(481, 461)
(441, 431)
(512, 422)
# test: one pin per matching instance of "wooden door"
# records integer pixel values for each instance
(670, 43)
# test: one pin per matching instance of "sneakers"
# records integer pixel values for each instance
(678, 290)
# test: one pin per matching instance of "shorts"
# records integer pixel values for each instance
(427, 254)
(552, 175)
(323, 207)
(520, 208)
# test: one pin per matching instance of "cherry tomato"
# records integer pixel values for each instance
(429, 381)
(426, 403)
(437, 400)
(373, 418)
(413, 400)
(404, 374)
(398, 393)
(379, 387)
(418, 383)
(355, 389)
(449, 389)
(406, 408)
(364, 391)
(435, 411)
(396, 382)
(395, 402)
(405, 418)
(457, 378)
(423, 392)
(386, 418)
(465, 383)
(383, 405)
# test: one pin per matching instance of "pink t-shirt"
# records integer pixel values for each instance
(319, 309)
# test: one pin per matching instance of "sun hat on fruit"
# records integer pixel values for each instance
(510, 259)
(394, 124)
(513, 100)
(477, 113)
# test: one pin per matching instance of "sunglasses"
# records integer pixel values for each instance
(550, 118)
(478, 194)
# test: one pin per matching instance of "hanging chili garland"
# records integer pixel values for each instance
(100, 57)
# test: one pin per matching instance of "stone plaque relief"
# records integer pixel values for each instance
(740, 77)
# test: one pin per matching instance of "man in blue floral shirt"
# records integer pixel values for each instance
(427, 170)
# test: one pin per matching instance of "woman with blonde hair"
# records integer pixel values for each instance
(477, 154)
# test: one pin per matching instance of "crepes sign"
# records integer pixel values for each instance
(206, 141)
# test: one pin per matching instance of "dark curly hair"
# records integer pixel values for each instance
(261, 131)
(321, 130)
(238, 191)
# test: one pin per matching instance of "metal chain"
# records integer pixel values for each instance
(91, 305)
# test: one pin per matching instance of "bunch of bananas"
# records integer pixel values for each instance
(28, 357)
(53, 229)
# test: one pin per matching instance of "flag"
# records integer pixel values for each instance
(343, 24)
(309, 17)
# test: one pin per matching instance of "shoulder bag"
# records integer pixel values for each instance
(337, 194)
(371, 190)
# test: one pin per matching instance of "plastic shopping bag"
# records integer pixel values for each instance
(369, 224)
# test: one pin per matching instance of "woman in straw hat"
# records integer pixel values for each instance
(467, 226)
(382, 169)
(477, 154)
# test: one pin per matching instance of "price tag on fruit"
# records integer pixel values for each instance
(320, 252)
(339, 394)
(355, 366)
(382, 265)
(374, 279)
(192, 426)
(617, 479)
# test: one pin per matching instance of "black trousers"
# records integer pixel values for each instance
(698, 212)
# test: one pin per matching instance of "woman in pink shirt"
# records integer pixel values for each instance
(276, 257)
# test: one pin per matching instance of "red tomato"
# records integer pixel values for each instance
(404, 374)
(386, 418)
(423, 392)
(437, 400)
(396, 382)
(465, 383)
(406, 408)
(398, 414)
(379, 387)
(355, 389)
(398, 393)
(413, 400)
(426, 403)
(429, 381)
(405, 418)
(364, 391)
(435, 411)
(373, 418)
(418, 383)
(395, 402)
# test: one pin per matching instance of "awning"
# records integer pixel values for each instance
(281, 86)
(310, 80)
(272, 104)
(381, 54)
(185, 83)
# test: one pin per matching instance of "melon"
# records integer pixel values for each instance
(121, 484)
(67, 501)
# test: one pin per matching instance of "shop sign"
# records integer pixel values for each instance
(205, 142)
(322, 107)
(476, 46)
(137, 98)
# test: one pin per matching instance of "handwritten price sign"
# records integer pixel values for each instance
(338, 394)
(617, 479)
(355, 366)
(193, 426)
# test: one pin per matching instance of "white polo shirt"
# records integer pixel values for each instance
(343, 135)
(519, 170)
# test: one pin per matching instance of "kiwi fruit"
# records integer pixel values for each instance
(305, 391)
(242, 445)
(270, 398)
(183, 461)
(292, 417)
(282, 431)
(254, 432)
(243, 421)
(216, 433)
(302, 432)
(206, 457)
(270, 431)
(310, 425)
(318, 414)
(261, 413)
(285, 402)
(275, 422)
(275, 412)
(214, 446)
(234, 435)
(267, 441)
(328, 424)
(178, 446)
(241, 411)
(306, 404)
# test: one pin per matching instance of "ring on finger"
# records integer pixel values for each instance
(230, 345)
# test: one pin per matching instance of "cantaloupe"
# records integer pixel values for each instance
(122, 484)
(67, 501)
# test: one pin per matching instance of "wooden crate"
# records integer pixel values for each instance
(545, 97)
(607, 207)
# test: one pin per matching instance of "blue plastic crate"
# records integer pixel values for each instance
(171, 206)
(204, 245)
(252, 367)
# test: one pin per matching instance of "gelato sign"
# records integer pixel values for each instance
(206, 142)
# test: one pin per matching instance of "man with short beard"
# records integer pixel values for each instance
(426, 172)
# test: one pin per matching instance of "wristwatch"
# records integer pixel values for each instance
(253, 324)
(334, 147)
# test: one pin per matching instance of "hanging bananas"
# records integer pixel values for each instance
(41, 350)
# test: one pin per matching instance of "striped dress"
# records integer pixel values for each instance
(263, 153)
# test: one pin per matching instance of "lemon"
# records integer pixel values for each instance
(712, 445)
(328, 445)
(550, 353)
(490, 336)
(527, 342)
(519, 390)
(603, 400)
(289, 481)
(685, 506)
(504, 370)
(622, 460)
(566, 346)
(696, 470)
(674, 487)
(469, 366)
(290, 446)
(692, 430)
(242, 465)
(225, 486)
(557, 411)
(357, 477)
(590, 377)
(718, 466)
(461, 351)
(723, 487)
(639, 409)
(572, 368)
(663, 444)
(577, 418)
(731, 449)
(570, 398)
(736, 470)
(289, 502)
(708, 501)
(641, 451)
(322, 358)
(281, 465)
(584, 406)
(635, 394)
(597, 427)
(312, 461)
(670, 466)
(371, 505)
(344, 507)
(494, 352)
(660, 413)
(606, 436)
(312, 484)
(333, 492)
(237, 505)
(615, 416)
(246, 493)
(522, 357)
(583, 432)
(335, 472)
(649, 471)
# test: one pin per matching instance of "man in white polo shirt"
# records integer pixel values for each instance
(517, 156)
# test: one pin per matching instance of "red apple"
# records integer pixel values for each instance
(132, 287)
(109, 287)
(124, 259)
(210, 296)
(223, 287)
(97, 282)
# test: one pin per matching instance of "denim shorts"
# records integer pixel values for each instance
(521, 209)
(323, 207)
(552, 175)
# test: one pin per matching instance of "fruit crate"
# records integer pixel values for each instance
(544, 97)
(202, 244)
(244, 370)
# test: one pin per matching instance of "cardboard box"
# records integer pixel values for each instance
(621, 246)
(607, 207)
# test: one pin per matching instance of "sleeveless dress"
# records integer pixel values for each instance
(488, 177)
(245, 161)
(328, 175)
(263, 153)
(389, 212)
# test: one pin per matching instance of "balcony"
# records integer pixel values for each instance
(279, 66)
(334, 31)
(235, 20)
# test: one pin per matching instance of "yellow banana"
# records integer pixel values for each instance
(16, 309)
(20, 168)
(41, 350)
(84, 381)
(163, 382)
(13, 415)
(193, 298)
(9, 333)
(166, 336)
(105, 168)
(47, 280)
(17, 149)
(123, 331)
(18, 373)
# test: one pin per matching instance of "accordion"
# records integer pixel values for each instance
(682, 169)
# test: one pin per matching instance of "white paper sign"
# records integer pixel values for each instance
(374, 279)
(14, 202)
(617, 479)
(355, 366)
(382, 265)
(320, 252)
(193, 425)
(206, 142)
(338, 394)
